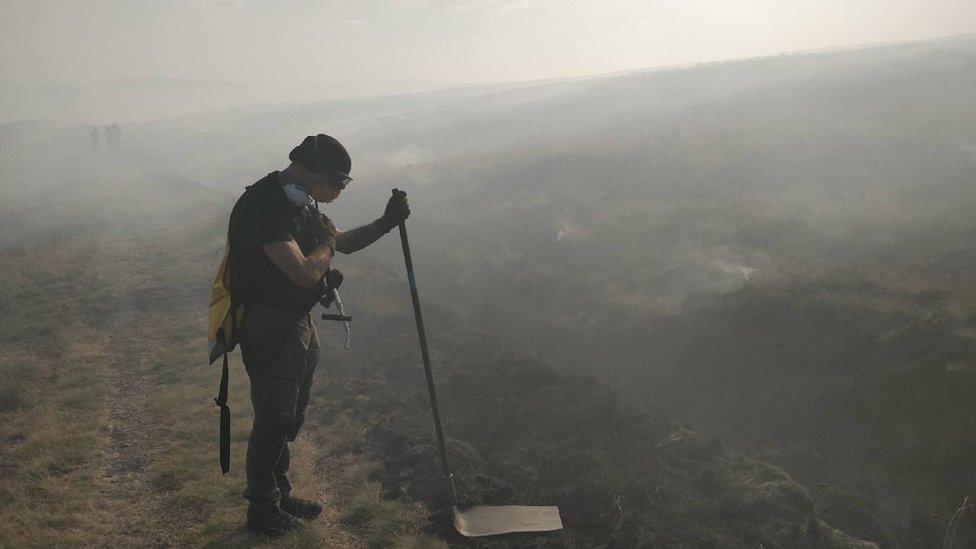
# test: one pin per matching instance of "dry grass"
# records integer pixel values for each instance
(53, 450)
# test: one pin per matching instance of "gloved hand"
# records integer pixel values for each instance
(324, 230)
(397, 211)
(333, 279)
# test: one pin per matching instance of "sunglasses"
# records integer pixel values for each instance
(339, 178)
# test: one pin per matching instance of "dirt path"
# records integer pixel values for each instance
(134, 513)
(132, 510)
(135, 510)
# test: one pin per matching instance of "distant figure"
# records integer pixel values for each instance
(113, 136)
(94, 137)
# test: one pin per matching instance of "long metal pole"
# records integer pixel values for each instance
(426, 357)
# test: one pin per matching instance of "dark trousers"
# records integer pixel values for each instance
(280, 351)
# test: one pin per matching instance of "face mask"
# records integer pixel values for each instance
(297, 195)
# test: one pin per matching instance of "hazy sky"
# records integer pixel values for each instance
(317, 42)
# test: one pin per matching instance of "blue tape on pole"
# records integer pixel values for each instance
(412, 280)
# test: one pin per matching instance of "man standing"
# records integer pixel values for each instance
(281, 249)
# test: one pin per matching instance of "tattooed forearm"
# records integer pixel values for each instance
(358, 238)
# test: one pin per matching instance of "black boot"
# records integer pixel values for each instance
(301, 508)
(270, 520)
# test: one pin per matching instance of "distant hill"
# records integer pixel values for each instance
(136, 100)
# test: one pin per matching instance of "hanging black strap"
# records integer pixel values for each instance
(221, 401)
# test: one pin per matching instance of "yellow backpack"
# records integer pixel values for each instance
(225, 321)
(223, 327)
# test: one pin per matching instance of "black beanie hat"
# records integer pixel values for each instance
(320, 149)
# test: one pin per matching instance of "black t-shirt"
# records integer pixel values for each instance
(264, 215)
